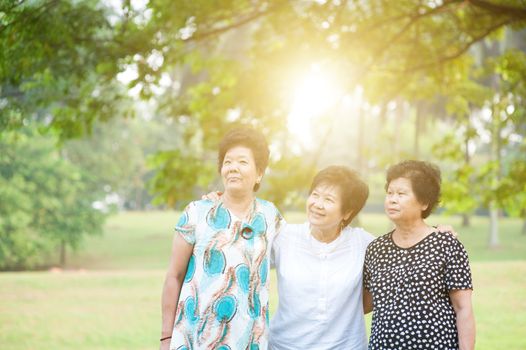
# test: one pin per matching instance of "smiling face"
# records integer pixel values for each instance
(401, 204)
(238, 171)
(324, 208)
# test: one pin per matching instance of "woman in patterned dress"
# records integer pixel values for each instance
(417, 278)
(215, 293)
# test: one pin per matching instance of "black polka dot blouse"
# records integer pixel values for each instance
(410, 289)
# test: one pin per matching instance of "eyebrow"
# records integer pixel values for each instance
(235, 158)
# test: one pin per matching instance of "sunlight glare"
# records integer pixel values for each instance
(312, 96)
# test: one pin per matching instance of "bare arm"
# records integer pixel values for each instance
(461, 301)
(181, 252)
(367, 301)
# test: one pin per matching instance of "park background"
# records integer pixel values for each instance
(111, 111)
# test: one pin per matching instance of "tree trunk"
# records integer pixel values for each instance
(419, 110)
(360, 141)
(398, 118)
(495, 174)
(492, 51)
(465, 220)
(62, 253)
(494, 225)
(467, 161)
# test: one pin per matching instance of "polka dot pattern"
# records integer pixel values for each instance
(410, 288)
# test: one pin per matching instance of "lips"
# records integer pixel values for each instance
(316, 214)
(392, 210)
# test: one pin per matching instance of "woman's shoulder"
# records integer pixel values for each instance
(360, 234)
(266, 206)
(291, 234)
(202, 204)
(447, 240)
(381, 240)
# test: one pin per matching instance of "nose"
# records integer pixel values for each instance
(233, 168)
(391, 198)
(318, 203)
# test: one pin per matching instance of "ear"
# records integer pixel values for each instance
(348, 215)
(259, 177)
(425, 206)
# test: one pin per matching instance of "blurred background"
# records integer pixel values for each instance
(111, 112)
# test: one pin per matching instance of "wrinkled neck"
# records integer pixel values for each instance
(239, 204)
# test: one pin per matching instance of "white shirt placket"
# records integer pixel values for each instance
(323, 284)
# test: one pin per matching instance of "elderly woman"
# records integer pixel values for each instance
(417, 278)
(319, 269)
(215, 293)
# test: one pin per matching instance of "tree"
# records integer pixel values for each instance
(59, 61)
(44, 202)
(211, 64)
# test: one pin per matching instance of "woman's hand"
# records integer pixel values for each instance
(213, 196)
(165, 345)
(447, 228)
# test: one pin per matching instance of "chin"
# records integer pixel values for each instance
(238, 189)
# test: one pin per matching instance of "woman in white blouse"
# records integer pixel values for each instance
(319, 269)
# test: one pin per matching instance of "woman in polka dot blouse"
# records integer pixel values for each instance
(417, 279)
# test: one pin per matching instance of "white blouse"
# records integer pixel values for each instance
(320, 290)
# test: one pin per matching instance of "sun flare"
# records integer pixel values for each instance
(315, 94)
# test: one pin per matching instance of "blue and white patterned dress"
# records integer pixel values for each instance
(223, 302)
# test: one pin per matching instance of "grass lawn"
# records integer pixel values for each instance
(110, 296)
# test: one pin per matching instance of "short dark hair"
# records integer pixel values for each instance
(353, 190)
(425, 181)
(247, 137)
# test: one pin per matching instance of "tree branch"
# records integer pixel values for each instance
(462, 50)
(501, 9)
(214, 32)
(34, 15)
(444, 7)
(13, 6)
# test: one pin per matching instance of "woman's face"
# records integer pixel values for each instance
(324, 208)
(401, 203)
(239, 171)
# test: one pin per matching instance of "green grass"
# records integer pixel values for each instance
(109, 298)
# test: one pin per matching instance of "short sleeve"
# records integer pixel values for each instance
(458, 272)
(187, 223)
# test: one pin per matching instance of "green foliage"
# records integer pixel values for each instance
(287, 182)
(208, 65)
(44, 201)
(58, 60)
(115, 155)
(177, 176)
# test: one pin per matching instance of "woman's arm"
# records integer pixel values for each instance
(367, 301)
(461, 301)
(181, 252)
